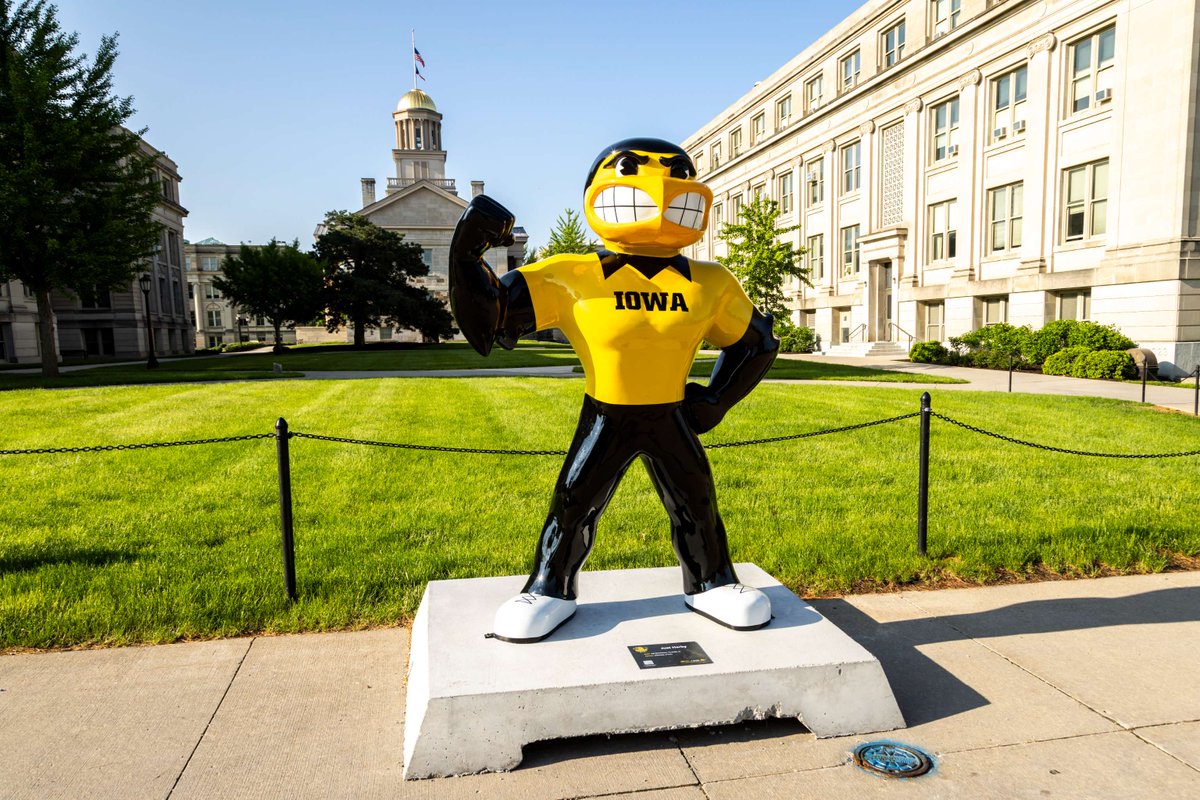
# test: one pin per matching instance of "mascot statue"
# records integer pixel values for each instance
(636, 313)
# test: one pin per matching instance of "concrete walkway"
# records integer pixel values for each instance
(1060, 689)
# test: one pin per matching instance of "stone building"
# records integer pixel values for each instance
(953, 163)
(422, 203)
(102, 323)
(216, 320)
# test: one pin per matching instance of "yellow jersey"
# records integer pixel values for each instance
(637, 336)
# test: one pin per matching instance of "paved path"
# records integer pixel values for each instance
(1065, 689)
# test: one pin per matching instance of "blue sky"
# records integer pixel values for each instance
(274, 110)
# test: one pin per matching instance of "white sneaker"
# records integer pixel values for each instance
(531, 617)
(742, 608)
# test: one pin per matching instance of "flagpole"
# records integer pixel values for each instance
(413, 31)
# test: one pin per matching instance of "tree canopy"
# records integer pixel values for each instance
(367, 271)
(77, 190)
(278, 282)
(568, 236)
(758, 258)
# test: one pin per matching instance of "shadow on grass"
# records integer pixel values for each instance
(14, 560)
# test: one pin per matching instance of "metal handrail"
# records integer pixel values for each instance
(861, 329)
(911, 338)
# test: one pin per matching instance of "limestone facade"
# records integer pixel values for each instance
(952, 163)
(112, 324)
(214, 317)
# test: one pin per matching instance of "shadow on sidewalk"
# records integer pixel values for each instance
(927, 692)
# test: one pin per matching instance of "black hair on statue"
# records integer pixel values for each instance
(643, 143)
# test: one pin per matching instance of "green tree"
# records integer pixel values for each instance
(277, 282)
(569, 236)
(77, 190)
(529, 254)
(762, 262)
(367, 272)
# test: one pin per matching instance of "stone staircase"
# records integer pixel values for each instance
(867, 349)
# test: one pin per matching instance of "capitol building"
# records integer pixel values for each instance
(954, 163)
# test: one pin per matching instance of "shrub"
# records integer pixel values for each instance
(1099, 337)
(237, 347)
(1063, 362)
(1059, 334)
(928, 353)
(999, 336)
(798, 339)
(1105, 364)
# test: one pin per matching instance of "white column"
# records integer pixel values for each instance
(970, 156)
(1038, 223)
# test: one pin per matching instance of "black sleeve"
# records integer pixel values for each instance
(517, 317)
(739, 369)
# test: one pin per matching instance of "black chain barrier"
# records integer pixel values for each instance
(790, 437)
(1066, 450)
(106, 448)
(430, 447)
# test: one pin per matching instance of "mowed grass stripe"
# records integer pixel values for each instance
(161, 545)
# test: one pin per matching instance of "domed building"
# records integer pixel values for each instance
(421, 202)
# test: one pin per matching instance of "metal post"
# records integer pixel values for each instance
(1144, 370)
(285, 507)
(1011, 361)
(1196, 398)
(923, 481)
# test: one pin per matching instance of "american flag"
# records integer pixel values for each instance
(417, 56)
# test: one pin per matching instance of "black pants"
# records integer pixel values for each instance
(607, 440)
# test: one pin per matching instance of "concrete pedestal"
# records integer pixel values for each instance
(474, 702)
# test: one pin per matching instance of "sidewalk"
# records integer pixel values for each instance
(1066, 689)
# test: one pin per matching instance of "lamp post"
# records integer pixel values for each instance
(144, 281)
(242, 321)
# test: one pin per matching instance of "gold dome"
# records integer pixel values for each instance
(416, 99)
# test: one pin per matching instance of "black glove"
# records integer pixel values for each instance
(701, 408)
(484, 225)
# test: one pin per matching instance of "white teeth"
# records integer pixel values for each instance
(686, 210)
(618, 204)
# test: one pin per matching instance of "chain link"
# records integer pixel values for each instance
(792, 436)
(106, 448)
(1066, 450)
(430, 447)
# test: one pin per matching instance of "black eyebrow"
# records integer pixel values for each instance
(631, 154)
(677, 160)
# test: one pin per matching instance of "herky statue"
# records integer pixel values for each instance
(636, 312)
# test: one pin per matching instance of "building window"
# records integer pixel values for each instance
(173, 247)
(1092, 69)
(934, 321)
(698, 160)
(816, 256)
(893, 44)
(1074, 305)
(995, 309)
(735, 143)
(735, 210)
(812, 94)
(211, 293)
(943, 231)
(165, 182)
(718, 210)
(1086, 209)
(210, 264)
(815, 178)
(215, 318)
(851, 167)
(385, 334)
(215, 341)
(944, 15)
(944, 119)
(191, 291)
(1004, 213)
(756, 193)
(177, 296)
(1008, 104)
(27, 291)
(95, 297)
(783, 113)
(850, 66)
(850, 250)
(714, 156)
(785, 192)
(758, 129)
(427, 258)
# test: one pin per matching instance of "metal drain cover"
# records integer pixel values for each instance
(892, 759)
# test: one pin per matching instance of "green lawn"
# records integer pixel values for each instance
(795, 370)
(168, 544)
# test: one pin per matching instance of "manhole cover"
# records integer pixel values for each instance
(892, 760)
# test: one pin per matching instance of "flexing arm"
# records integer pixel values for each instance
(486, 308)
(739, 368)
